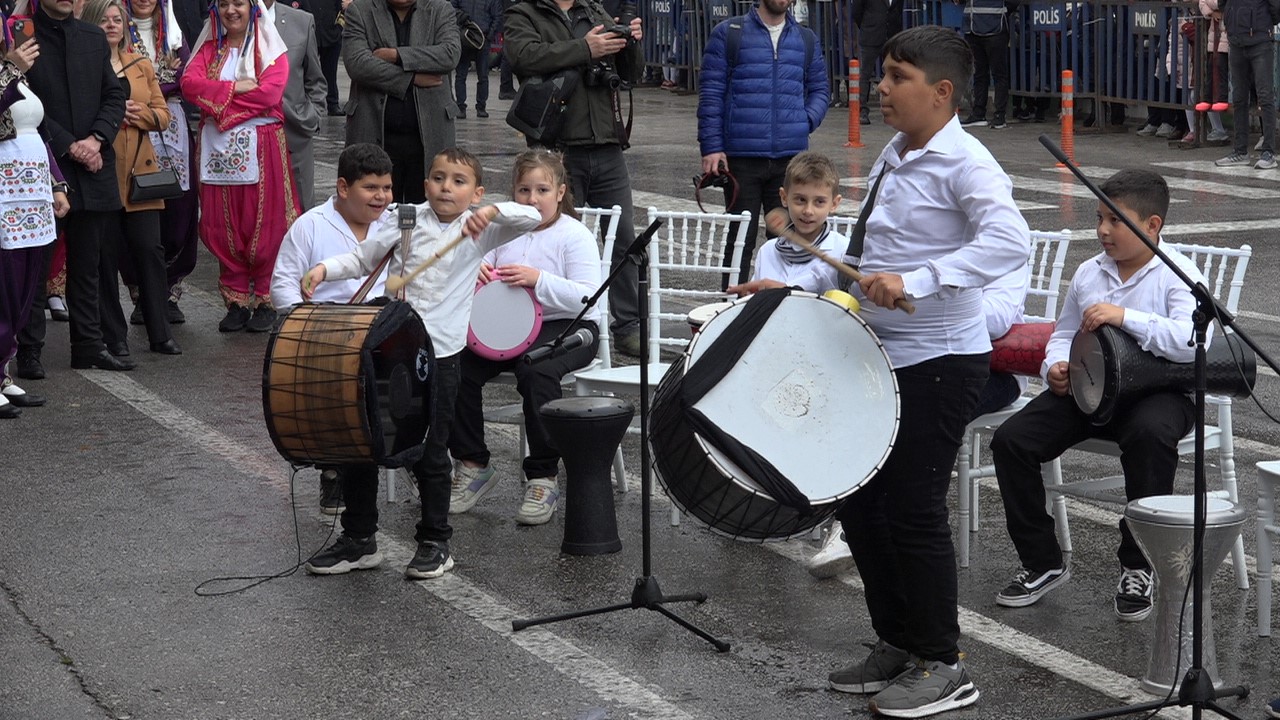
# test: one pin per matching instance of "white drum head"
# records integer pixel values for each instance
(505, 320)
(815, 395)
(1180, 510)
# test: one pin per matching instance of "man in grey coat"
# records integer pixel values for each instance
(304, 96)
(398, 54)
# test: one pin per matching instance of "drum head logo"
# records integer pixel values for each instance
(423, 364)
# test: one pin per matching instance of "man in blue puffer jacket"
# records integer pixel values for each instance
(756, 110)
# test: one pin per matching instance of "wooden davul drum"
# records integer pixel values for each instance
(348, 384)
(783, 404)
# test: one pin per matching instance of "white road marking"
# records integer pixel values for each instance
(1208, 166)
(1197, 185)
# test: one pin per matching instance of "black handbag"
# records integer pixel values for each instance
(161, 184)
(538, 108)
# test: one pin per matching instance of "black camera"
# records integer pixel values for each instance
(602, 74)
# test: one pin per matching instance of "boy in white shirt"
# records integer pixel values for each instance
(810, 192)
(1127, 286)
(356, 211)
(442, 297)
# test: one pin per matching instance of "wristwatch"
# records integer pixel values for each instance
(62, 187)
(101, 138)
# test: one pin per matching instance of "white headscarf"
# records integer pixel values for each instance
(262, 43)
(172, 30)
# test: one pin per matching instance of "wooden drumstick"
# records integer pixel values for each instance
(776, 221)
(395, 282)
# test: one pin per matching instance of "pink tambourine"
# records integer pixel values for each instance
(505, 320)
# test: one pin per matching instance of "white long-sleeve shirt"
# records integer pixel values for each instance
(944, 219)
(442, 293)
(1157, 306)
(814, 275)
(320, 233)
(569, 262)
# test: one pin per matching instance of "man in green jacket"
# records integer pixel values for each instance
(544, 37)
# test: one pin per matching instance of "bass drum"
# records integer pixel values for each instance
(809, 378)
(348, 384)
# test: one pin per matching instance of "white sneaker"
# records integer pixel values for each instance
(540, 498)
(1259, 145)
(469, 485)
(1148, 130)
(56, 302)
(1166, 131)
(834, 558)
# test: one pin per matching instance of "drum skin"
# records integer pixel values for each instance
(814, 394)
(505, 321)
(344, 384)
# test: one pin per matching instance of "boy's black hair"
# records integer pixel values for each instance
(941, 53)
(1143, 191)
(361, 159)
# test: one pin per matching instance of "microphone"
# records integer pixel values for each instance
(582, 336)
(406, 216)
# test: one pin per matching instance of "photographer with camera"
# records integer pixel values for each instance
(762, 90)
(588, 57)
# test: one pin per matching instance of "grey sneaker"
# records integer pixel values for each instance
(628, 343)
(1028, 586)
(430, 561)
(1133, 595)
(883, 664)
(469, 485)
(1166, 131)
(345, 555)
(925, 689)
(834, 558)
(1218, 136)
(1266, 162)
(1233, 160)
(540, 498)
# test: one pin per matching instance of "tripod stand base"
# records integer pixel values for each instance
(1196, 692)
(646, 594)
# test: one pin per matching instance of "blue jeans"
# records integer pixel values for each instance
(481, 60)
(598, 178)
(1251, 68)
(896, 524)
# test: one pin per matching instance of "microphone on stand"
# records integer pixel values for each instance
(581, 337)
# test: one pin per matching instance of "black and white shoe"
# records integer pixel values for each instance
(430, 561)
(1028, 586)
(344, 556)
(1133, 595)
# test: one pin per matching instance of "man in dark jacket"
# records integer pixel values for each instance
(487, 14)
(757, 109)
(873, 20)
(1250, 29)
(83, 107)
(544, 37)
(986, 29)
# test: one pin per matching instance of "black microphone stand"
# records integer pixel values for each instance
(1197, 689)
(646, 593)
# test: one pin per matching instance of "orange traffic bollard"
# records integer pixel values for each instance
(1068, 116)
(855, 106)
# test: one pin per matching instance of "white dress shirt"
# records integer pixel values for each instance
(442, 293)
(1157, 306)
(814, 275)
(569, 262)
(320, 233)
(944, 219)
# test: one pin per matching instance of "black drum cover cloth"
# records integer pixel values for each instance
(346, 384)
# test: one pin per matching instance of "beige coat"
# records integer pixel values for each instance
(134, 153)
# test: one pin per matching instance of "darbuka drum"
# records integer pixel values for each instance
(1021, 350)
(700, 315)
(1107, 367)
(505, 320)
(348, 384)
(802, 378)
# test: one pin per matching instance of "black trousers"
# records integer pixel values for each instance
(1147, 429)
(135, 243)
(868, 60)
(434, 472)
(598, 177)
(759, 183)
(86, 234)
(31, 335)
(538, 384)
(408, 170)
(330, 55)
(990, 62)
(896, 524)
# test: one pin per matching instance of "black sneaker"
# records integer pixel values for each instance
(1028, 586)
(237, 317)
(344, 556)
(998, 123)
(431, 561)
(1133, 595)
(135, 317)
(27, 364)
(462, 113)
(331, 493)
(174, 314)
(507, 94)
(974, 121)
(481, 113)
(264, 317)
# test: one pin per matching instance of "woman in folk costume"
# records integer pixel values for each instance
(135, 233)
(31, 194)
(154, 32)
(248, 197)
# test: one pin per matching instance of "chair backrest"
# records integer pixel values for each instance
(1222, 267)
(595, 220)
(1048, 256)
(842, 224)
(687, 261)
